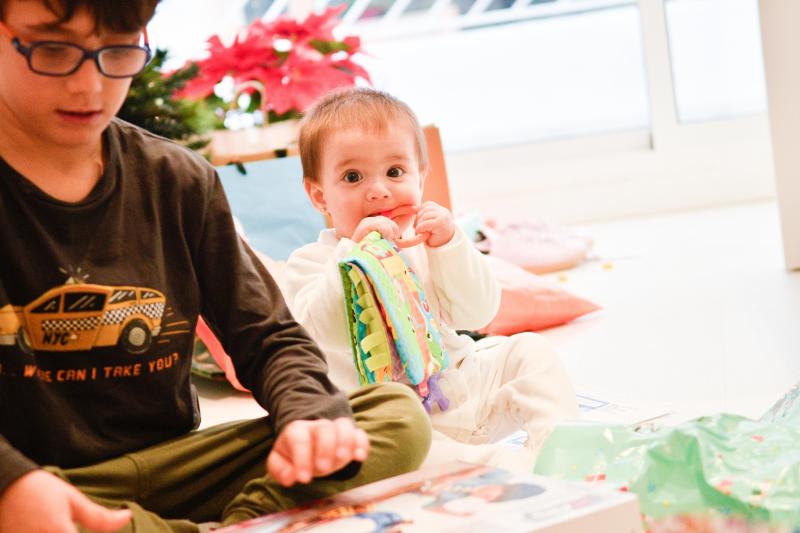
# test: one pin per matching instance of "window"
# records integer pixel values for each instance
(519, 81)
(122, 295)
(78, 302)
(717, 66)
(50, 306)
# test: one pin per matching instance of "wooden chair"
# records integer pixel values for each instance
(437, 187)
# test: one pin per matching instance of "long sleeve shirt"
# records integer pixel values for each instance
(99, 300)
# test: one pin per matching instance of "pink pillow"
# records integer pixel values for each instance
(530, 302)
(537, 246)
(210, 340)
(218, 352)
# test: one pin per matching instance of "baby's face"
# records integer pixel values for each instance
(365, 173)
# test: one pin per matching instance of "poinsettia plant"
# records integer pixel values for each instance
(292, 63)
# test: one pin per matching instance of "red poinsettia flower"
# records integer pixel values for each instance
(241, 60)
(294, 76)
(321, 26)
(299, 82)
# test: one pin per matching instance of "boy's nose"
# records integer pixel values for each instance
(87, 79)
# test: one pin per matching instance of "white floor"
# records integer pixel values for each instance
(699, 315)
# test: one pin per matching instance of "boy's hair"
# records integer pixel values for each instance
(353, 107)
(121, 16)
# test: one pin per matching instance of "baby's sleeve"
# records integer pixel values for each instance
(468, 292)
(315, 293)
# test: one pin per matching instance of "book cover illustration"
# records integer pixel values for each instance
(452, 497)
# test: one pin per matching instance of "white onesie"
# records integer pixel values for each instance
(495, 386)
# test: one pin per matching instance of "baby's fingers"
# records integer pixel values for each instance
(412, 241)
(392, 230)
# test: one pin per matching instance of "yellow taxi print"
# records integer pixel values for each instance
(83, 316)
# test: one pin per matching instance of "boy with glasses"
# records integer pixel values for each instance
(116, 239)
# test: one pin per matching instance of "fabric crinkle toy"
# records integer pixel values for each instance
(392, 332)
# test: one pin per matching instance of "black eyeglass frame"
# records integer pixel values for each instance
(27, 52)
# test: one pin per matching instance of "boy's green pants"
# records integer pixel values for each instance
(219, 474)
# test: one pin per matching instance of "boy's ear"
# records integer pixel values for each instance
(315, 194)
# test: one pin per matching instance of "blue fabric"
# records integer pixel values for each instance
(272, 206)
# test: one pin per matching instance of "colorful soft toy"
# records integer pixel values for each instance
(392, 331)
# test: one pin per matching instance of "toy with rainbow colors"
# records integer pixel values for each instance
(392, 331)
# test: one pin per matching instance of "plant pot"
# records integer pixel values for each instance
(278, 139)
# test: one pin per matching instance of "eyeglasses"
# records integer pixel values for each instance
(59, 58)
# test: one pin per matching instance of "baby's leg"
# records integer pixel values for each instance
(526, 388)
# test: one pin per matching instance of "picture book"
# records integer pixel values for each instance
(461, 497)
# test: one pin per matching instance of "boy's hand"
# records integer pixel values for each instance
(383, 225)
(436, 221)
(39, 501)
(306, 449)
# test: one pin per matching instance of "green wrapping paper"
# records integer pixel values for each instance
(723, 463)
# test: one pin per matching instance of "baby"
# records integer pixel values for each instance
(364, 164)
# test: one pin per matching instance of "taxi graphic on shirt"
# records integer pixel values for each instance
(83, 316)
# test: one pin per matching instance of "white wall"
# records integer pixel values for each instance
(779, 23)
(184, 26)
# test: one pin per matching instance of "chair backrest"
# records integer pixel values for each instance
(437, 187)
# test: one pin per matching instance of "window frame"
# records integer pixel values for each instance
(668, 166)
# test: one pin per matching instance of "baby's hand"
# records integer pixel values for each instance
(306, 449)
(383, 225)
(436, 221)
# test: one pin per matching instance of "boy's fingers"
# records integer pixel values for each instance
(324, 438)
(96, 517)
(360, 445)
(280, 469)
(300, 446)
(344, 441)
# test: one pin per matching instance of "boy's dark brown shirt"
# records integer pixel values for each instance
(153, 242)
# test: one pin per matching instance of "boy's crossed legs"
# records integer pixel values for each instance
(219, 473)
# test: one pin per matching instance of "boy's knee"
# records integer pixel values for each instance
(398, 426)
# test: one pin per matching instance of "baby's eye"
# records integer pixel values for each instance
(395, 172)
(351, 176)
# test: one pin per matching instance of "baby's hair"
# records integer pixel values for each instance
(359, 107)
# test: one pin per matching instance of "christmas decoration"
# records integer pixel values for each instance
(285, 65)
(152, 104)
